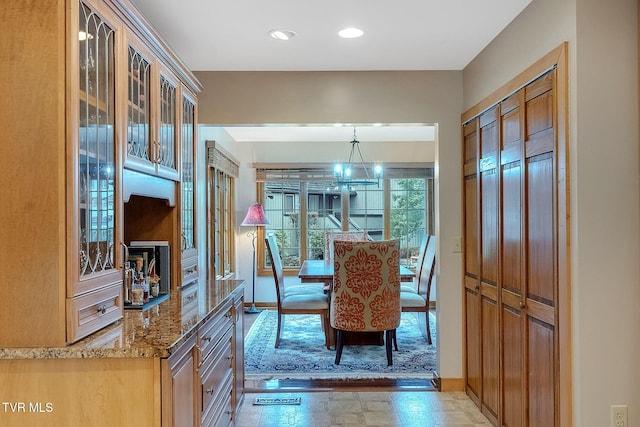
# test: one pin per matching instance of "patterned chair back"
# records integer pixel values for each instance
(366, 286)
(331, 236)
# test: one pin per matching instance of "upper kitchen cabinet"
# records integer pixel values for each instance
(189, 255)
(153, 101)
(71, 73)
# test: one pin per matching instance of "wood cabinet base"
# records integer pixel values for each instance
(79, 392)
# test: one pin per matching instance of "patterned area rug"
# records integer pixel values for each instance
(302, 354)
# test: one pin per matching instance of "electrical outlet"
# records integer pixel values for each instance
(619, 416)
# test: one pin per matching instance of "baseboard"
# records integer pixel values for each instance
(451, 384)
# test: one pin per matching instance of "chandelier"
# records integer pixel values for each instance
(346, 176)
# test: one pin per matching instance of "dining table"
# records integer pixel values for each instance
(320, 271)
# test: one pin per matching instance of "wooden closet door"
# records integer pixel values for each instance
(516, 284)
(489, 215)
(471, 263)
(512, 268)
(541, 252)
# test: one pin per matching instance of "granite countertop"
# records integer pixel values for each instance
(155, 332)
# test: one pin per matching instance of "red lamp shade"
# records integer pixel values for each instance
(255, 216)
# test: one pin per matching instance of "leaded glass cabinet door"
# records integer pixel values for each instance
(95, 178)
(139, 153)
(166, 138)
(187, 194)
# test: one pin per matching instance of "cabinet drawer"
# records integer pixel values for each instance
(189, 307)
(93, 311)
(216, 372)
(189, 271)
(213, 330)
(221, 413)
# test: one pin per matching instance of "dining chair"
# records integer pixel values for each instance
(365, 296)
(331, 236)
(417, 301)
(296, 301)
(413, 287)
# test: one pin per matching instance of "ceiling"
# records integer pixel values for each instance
(214, 35)
(398, 35)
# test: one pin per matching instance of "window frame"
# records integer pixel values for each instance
(324, 173)
(222, 171)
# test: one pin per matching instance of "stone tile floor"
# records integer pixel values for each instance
(363, 408)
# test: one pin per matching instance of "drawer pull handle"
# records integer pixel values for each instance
(210, 391)
(522, 304)
(102, 309)
(228, 315)
(207, 339)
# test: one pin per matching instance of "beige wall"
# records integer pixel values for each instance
(354, 97)
(604, 168)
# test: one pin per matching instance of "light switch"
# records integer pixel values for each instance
(457, 244)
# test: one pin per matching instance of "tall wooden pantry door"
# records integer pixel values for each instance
(513, 261)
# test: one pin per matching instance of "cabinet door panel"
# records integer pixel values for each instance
(94, 217)
(166, 144)
(139, 154)
(541, 374)
(490, 358)
(474, 347)
(513, 374)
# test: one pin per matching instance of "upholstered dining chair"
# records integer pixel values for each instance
(417, 300)
(331, 236)
(365, 296)
(306, 299)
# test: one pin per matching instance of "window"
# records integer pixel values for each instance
(222, 171)
(302, 205)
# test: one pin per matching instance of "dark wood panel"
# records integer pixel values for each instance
(471, 226)
(513, 374)
(511, 128)
(473, 345)
(540, 228)
(490, 357)
(541, 390)
(511, 227)
(489, 139)
(470, 142)
(540, 86)
(539, 114)
(489, 224)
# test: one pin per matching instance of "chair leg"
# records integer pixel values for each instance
(326, 327)
(279, 328)
(339, 344)
(428, 328)
(395, 340)
(389, 337)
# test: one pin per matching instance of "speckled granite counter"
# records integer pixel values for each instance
(155, 332)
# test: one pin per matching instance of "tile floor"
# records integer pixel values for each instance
(363, 408)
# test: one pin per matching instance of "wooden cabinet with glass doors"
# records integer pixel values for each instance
(87, 81)
(152, 104)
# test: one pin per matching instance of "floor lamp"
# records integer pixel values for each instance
(255, 217)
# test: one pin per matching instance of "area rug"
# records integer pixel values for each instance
(303, 355)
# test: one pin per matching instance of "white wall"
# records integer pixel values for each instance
(604, 169)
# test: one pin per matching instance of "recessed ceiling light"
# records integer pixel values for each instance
(282, 34)
(350, 33)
